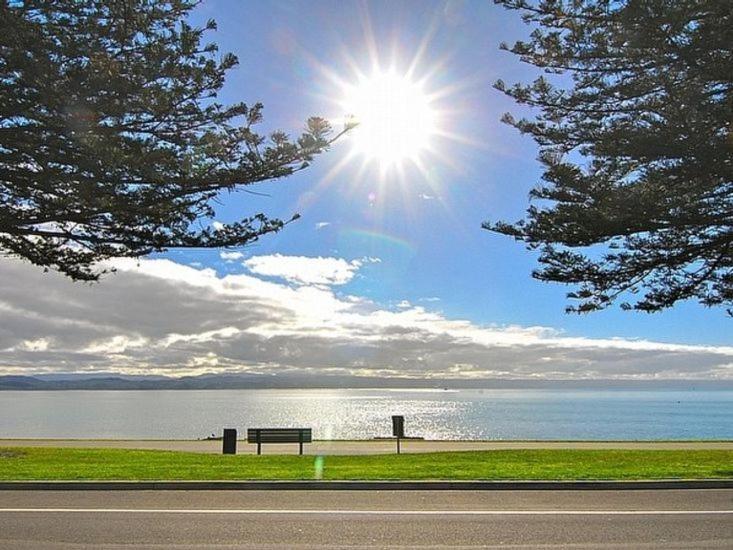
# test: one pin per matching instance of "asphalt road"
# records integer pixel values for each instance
(366, 519)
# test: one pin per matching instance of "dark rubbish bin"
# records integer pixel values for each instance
(230, 441)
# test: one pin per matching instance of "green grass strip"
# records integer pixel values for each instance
(44, 463)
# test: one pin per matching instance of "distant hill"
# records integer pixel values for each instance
(19, 383)
(113, 381)
(121, 382)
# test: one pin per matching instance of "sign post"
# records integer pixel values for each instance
(398, 429)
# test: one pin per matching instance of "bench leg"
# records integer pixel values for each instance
(259, 448)
(301, 447)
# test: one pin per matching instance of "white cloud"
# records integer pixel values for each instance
(321, 225)
(304, 269)
(198, 338)
(218, 226)
(229, 257)
(115, 345)
(158, 316)
(39, 344)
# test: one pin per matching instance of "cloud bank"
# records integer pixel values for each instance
(162, 317)
(306, 270)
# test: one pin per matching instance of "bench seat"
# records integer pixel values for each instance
(279, 435)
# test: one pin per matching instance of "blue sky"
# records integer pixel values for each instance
(387, 273)
(430, 248)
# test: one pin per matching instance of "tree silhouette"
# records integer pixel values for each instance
(112, 140)
(636, 201)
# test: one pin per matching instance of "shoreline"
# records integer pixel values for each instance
(365, 447)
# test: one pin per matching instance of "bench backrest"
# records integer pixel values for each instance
(279, 435)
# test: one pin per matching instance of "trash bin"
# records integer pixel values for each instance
(230, 441)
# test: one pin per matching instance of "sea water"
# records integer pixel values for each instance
(365, 413)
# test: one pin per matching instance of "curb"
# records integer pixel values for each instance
(363, 485)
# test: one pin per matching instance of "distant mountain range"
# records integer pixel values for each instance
(115, 381)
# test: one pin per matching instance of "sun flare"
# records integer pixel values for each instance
(397, 114)
(393, 116)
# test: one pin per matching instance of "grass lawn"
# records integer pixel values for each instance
(17, 463)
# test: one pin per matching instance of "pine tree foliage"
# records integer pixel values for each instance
(633, 120)
(112, 141)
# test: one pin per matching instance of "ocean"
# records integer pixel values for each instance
(365, 413)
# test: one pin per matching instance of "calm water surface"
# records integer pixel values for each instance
(363, 414)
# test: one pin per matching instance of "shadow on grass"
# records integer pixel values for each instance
(12, 453)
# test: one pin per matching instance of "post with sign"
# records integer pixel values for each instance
(398, 429)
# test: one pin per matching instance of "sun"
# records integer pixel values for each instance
(393, 117)
(396, 116)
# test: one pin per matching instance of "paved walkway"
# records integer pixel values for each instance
(362, 447)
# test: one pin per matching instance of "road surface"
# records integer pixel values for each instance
(366, 519)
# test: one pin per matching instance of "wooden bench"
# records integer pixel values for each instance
(279, 435)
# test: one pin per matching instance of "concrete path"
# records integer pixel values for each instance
(362, 447)
(379, 519)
